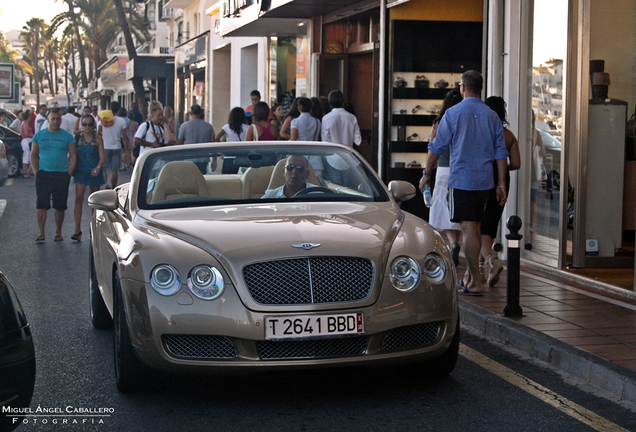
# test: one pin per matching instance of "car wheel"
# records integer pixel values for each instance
(100, 317)
(130, 374)
(14, 164)
(444, 364)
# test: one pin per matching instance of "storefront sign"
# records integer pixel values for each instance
(234, 7)
(7, 73)
(191, 52)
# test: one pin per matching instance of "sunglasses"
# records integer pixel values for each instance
(88, 124)
(301, 169)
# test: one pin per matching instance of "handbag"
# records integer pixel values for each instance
(255, 132)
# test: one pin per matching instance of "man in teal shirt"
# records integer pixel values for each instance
(53, 157)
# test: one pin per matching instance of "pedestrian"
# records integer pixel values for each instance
(236, 126)
(196, 130)
(113, 136)
(134, 108)
(132, 130)
(78, 123)
(307, 128)
(41, 117)
(125, 160)
(255, 97)
(88, 171)
(492, 267)
(15, 124)
(279, 115)
(26, 131)
(474, 134)
(53, 158)
(341, 127)
(261, 129)
(151, 134)
(94, 113)
(316, 110)
(168, 119)
(294, 112)
(439, 214)
(3, 119)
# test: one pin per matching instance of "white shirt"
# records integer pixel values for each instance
(112, 134)
(340, 127)
(39, 121)
(231, 136)
(68, 122)
(149, 134)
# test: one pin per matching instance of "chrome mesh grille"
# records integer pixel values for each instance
(309, 280)
(411, 336)
(200, 347)
(310, 349)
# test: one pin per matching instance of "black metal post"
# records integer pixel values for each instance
(512, 308)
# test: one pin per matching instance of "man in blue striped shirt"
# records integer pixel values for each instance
(474, 134)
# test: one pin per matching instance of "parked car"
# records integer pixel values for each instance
(9, 114)
(4, 165)
(17, 358)
(198, 272)
(12, 141)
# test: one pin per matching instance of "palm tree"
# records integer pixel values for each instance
(72, 19)
(31, 34)
(137, 82)
(99, 22)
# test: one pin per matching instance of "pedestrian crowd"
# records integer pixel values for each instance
(59, 144)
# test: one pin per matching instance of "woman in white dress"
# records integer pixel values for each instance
(439, 215)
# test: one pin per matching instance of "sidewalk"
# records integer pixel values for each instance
(575, 328)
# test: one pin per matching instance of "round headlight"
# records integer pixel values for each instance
(405, 273)
(435, 268)
(165, 279)
(206, 282)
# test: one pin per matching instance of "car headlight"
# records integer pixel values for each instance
(206, 282)
(435, 268)
(165, 279)
(405, 273)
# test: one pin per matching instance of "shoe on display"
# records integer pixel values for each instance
(441, 84)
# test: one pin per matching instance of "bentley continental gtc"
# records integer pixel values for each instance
(267, 256)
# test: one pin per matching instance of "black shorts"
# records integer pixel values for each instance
(467, 206)
(52, 185)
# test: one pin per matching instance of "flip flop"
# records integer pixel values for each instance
(40, 239)
(58, 238)
(464, 291)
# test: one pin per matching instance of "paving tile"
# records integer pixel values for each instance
(629, 339)
(556, 306)
(617, 331)
(596, 323)
(572, 314)
(612, 352)
(589, 340)
(559, 334)
(539, 319)
(560, 326)
(629, 364)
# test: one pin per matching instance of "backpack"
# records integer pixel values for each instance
(137, 147)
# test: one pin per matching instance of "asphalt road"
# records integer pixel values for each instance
(75, 370)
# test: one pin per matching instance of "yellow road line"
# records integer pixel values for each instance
(538, 391)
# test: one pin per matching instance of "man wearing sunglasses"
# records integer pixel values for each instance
(296, 175)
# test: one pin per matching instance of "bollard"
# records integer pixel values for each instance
(512, 308)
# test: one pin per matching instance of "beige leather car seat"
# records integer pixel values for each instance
(255, 181)
(278, 175)
(179, 179)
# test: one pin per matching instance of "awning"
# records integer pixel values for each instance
(284, 16)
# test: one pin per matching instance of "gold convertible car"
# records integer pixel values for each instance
(219, 257)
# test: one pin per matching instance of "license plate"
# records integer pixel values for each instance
(313, 326)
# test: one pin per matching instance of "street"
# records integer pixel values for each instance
(75, 389)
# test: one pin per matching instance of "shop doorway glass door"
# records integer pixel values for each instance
(544, 151)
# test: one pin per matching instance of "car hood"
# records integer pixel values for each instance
(238, 235)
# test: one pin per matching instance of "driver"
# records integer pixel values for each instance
(296, 174)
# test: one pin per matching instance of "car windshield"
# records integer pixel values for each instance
(212, 175)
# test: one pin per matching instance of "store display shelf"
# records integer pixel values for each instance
(419, 93)
(409, 146)
(413, 119)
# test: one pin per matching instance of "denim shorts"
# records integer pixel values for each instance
(52, 186)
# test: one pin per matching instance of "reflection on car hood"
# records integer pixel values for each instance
(241, 234)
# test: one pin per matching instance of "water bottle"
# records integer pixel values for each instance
(428, 199)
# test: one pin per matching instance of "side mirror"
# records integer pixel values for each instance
(402, 190)
(106, 200)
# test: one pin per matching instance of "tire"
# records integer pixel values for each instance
(100, 316)
(130, 374)
(14, 164)
(444, 364)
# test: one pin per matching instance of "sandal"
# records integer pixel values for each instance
(58, 238)
(40, 239)
(77, 237)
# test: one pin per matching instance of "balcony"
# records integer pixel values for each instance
(170, 14)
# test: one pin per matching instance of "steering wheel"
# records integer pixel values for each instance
(311, 190)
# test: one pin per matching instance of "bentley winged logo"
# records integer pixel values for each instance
(306, 246)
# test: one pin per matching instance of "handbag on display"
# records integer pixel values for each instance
(399, 82)
(422, 82)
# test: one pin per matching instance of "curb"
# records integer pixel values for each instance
(597, 372)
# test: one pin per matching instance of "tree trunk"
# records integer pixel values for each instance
(35, 67)
(138, 82)
(79, 44)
